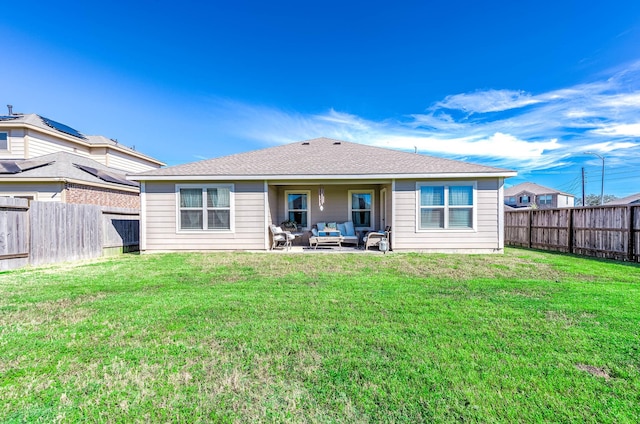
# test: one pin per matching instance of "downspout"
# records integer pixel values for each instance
(63, 192)
(393, 214)
(143, 217)
(501, 214)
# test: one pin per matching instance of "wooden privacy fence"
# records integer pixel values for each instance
(14, 232)
(48, 232)
(602, 231)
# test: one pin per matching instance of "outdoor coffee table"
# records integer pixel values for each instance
(328, 238)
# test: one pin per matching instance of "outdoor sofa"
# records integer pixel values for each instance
(344, 231)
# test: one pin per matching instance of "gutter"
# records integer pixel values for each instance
(71, 181)
(307, 177)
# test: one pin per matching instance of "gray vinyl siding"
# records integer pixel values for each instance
(15, 144)
(564, 201)
(484, 239)
(99, 154)
(124, 162)
(272, 217)
(42, 192)
(160, 220)
(42, 144)
(389, 211)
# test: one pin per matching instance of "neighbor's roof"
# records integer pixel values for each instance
(64, 166)
(629, 200)
(532, 188)
(322, 158)
(69, 133)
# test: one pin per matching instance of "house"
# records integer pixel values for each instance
(45, 160)
(68, 178)
(227, 203)
(633, 199)
(529, 194)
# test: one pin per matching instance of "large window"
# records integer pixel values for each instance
(545, 199)
(208, 207)
(297, 207)
(443, 207)
(361, 208)
(4, 141)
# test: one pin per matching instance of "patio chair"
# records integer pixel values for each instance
(280, 238)
(373, 238)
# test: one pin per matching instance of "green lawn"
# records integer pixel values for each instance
(236, 337)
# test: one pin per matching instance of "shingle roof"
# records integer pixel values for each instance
(629, 200)
(38, 121)
(60, 165)
(322, 158)
(532, 188)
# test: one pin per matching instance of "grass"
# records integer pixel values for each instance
(235, 337)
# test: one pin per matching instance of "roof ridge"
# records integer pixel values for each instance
(325, 157)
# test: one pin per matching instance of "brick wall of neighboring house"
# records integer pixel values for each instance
(77, 193)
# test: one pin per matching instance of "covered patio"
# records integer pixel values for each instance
(307, 250)
(307, 207)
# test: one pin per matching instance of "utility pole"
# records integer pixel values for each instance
(583, 186)
(602, 186)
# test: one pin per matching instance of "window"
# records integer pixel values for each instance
(297, 207)
(524, 199)
(446, 206)
(545, 199)
(4, 141)
(208, 207)
(511, 200)
(361, 209)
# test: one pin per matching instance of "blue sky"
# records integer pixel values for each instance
(529, 86)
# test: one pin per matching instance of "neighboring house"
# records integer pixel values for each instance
(227, 203)
(68, 178)
(39, 158)
(633, 199)
(529, 194)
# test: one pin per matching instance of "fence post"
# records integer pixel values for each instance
(631, 243)
(570, 231)
(530, 224)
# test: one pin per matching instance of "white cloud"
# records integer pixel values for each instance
(488, 101)
(622, 100)
(442, 122)
(629, 130)
(556, 126)
(607, 147)
(496, 145)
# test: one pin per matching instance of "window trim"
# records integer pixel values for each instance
(8, 149)
(350, 194)
(204, 209)
(446, 206)
(286, 206)
(548, 199)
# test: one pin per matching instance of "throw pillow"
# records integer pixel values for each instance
(349, 229)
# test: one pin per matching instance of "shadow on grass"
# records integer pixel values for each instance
(605, 261)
